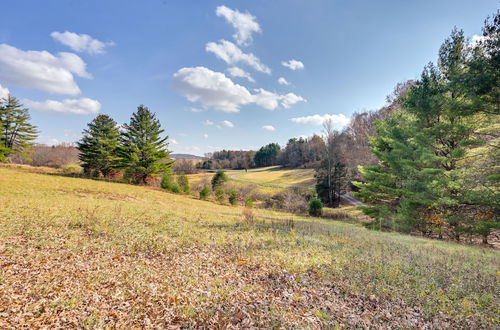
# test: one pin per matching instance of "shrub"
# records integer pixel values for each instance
(175, 189)
(183, 182)
(233, 197)
(219, 195)
(218, 179)
(166, 180)
(315, 206)
(204, 193)
(291, 200)
(249, 201)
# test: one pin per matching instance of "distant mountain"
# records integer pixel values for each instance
(185, 156)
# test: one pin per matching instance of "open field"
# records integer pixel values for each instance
(85, 253)
(275, 175)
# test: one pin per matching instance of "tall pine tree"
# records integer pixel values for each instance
(17, 132)
(99, 147)
(429, 152)
(143, 150)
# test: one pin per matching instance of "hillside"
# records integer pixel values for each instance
(186, 156)
(87, 253)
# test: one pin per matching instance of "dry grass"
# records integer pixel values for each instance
(277, 175)
(85, 253)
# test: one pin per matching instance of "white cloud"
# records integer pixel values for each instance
(41, 70)
(268, 128)
(82, 106)
(240, 73)
(208, 123)
(227, 123)
(173, 141)
(476, 39)
(196, 110)
(212, 89)
(81, 42)
(290, 99)
(270, 101)
(4, 92)
(337, 120)
(244, 23)
(293, 65)
(215, 90)
(205, 136)
(283, 81)
(232, 54)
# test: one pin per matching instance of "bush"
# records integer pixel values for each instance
(315, 207)
(204, 193)
(183, 182)
(218, 179)
(166, 180)
(219, 195)
(175, 189)
(233, 197)
(290, 200)
(249, 201)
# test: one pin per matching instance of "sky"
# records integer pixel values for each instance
(218, 75)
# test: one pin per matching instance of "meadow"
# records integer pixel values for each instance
(86, 253)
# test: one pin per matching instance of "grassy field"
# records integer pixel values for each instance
(278, 176)
(85, 253)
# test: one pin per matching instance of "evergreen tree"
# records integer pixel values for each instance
(143, 151)
(267, 155)
(17, 133)
(218, 179)
(430, 152)
(99, 147)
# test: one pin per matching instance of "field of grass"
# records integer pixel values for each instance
(84, 253)
(278, 176)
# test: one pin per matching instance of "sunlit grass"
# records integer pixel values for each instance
(69, 239)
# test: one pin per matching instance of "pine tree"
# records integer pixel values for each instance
(430, 152)
(99, 147)
(17, 133)
(144, 152)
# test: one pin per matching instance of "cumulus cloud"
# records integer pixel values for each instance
(196, 110)
(212, 89)
(268, 128)
(477, 39)
(82, 106)
(4, 92)
(41, 69)
(81, 42)
(208, 123)
(244, 23)
(215, 90)
(293, 65)
(205, 136)
(337, 120)
(270, 101)
(283, 81)
(232, 54)
(227, 123)
(240, 73)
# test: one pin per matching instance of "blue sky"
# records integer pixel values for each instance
(210, 69)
